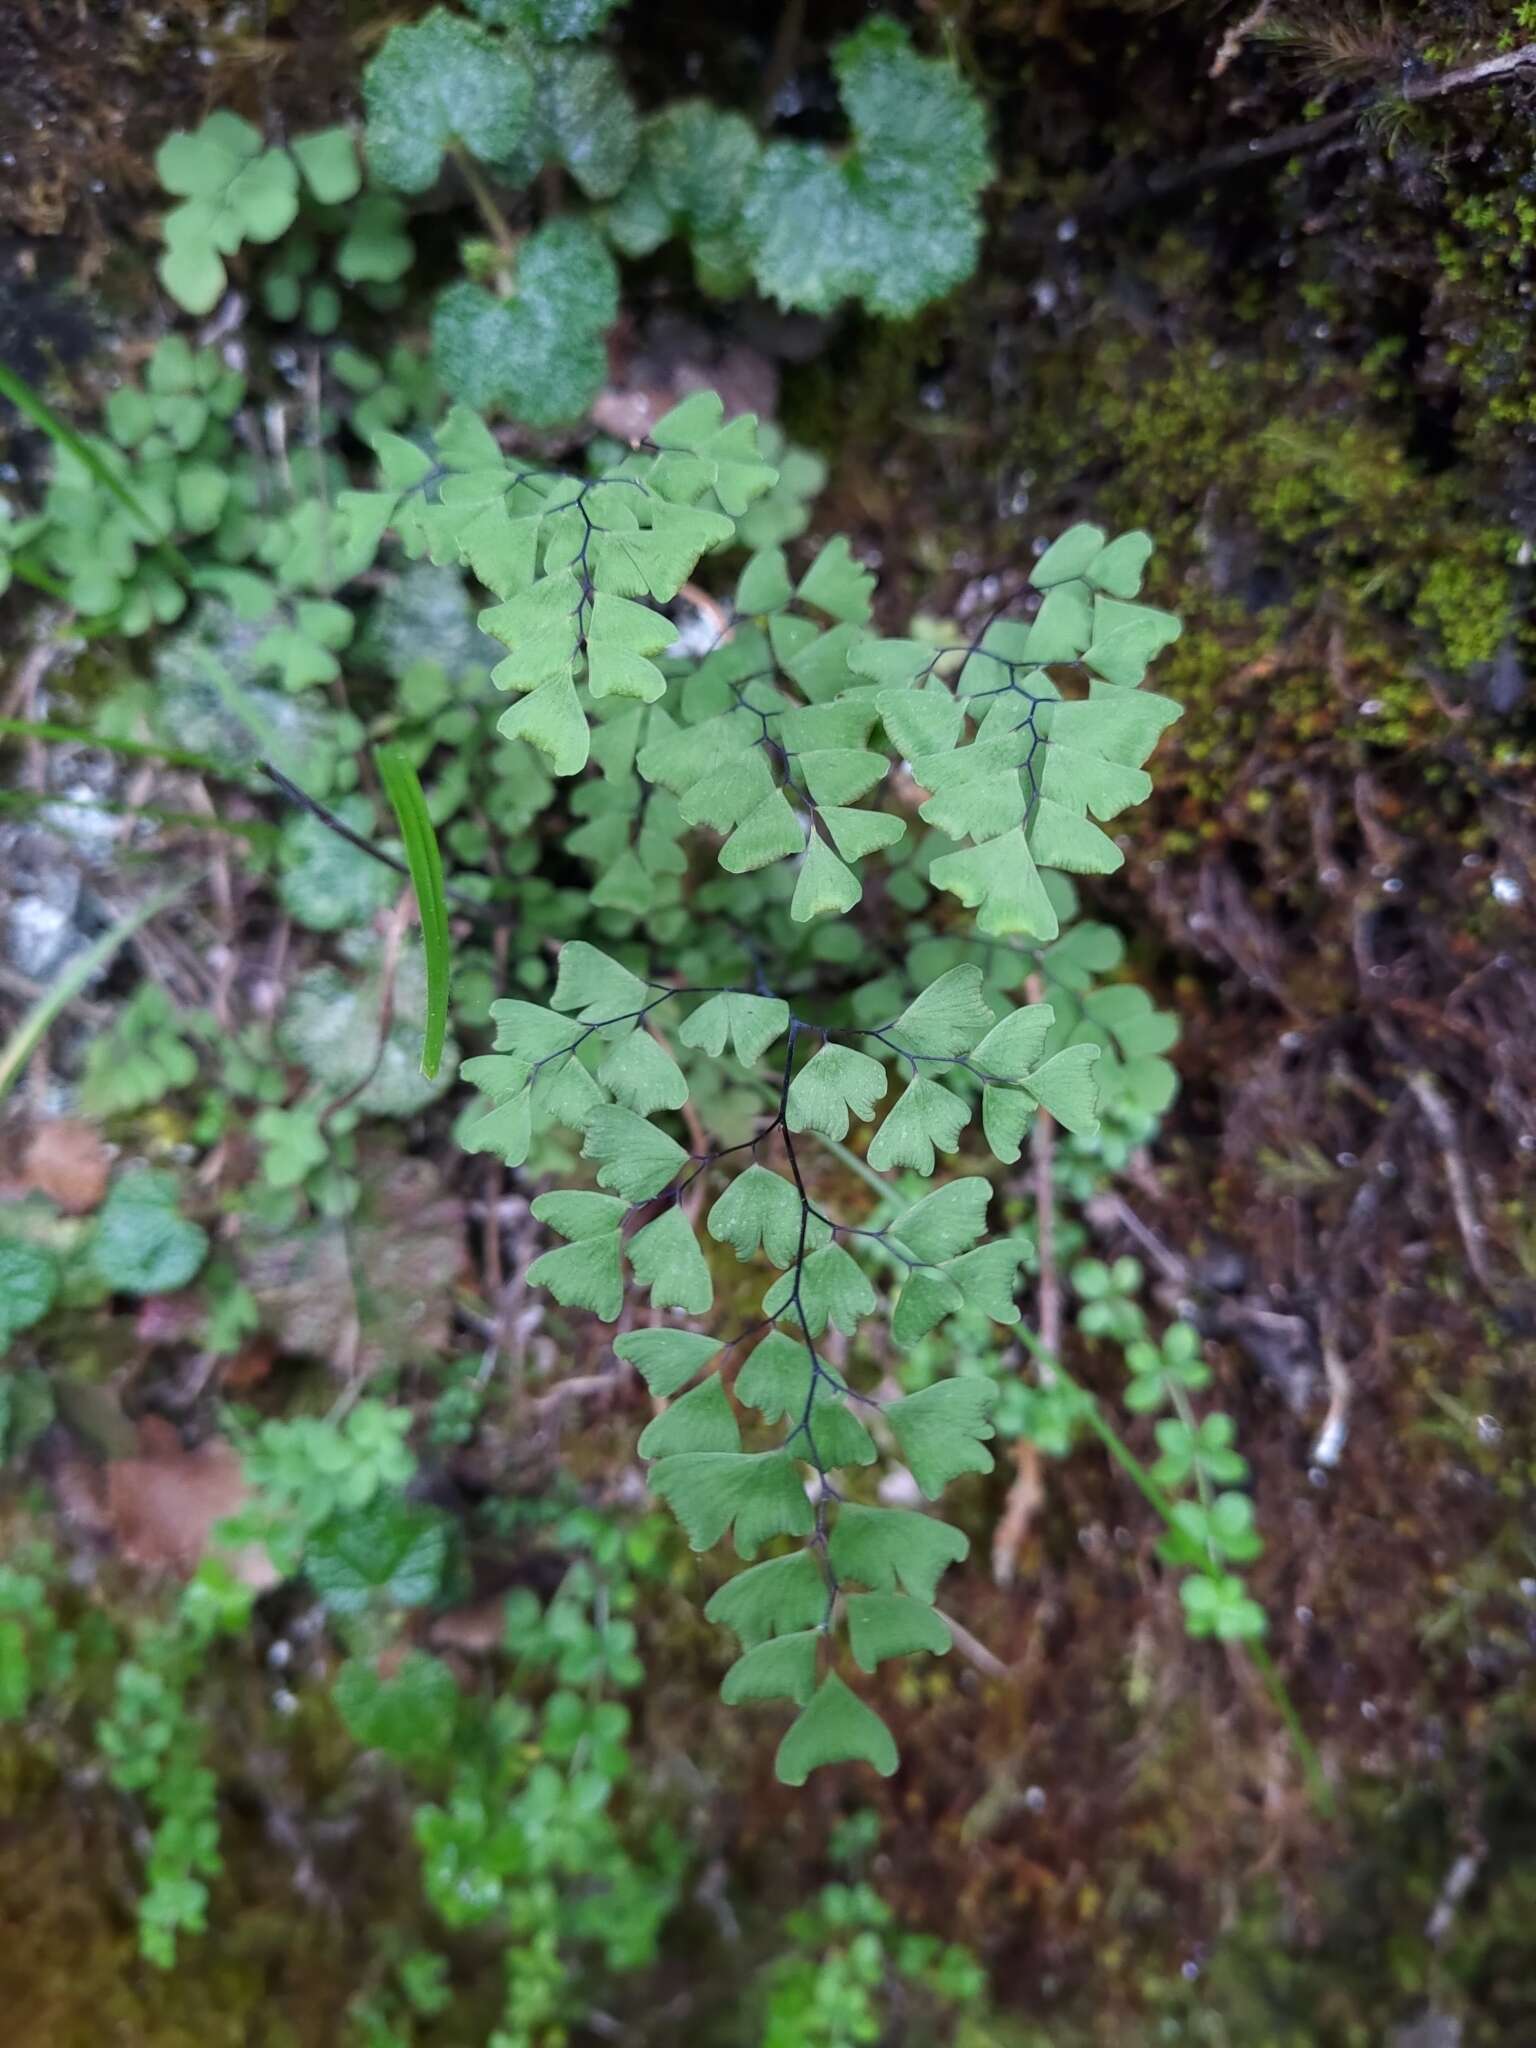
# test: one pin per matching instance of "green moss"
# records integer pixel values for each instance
(1467, 602)
(70, 1976)
(1270, 472)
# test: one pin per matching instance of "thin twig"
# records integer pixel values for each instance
(332, 823)
(222, 889)
(1459, 1881)
(389, 962)
(1334, 1434)
(27, 991)
(30, 673)
(782, 57)
(1168, 1262)
(1232, 42)
(1026, 1496)
(1124, 190)
(1441, 1119)
(575, 1389)
(1048, 1293)
(710, 608)
(972, 1648)
(1473, 74)
(490, 1230)
(329, 819)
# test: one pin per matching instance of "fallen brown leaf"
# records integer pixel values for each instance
(477, 1630)
(162, 1505)
(251, 1364)
(67, 1161)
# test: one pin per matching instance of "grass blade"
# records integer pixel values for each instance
(254, 832)
(80, 735)
(42, 415)
(402, 786)
(19, 1047)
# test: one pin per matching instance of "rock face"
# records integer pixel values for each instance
(42, 894)
(1434, 2030)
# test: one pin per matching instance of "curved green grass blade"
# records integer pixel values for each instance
(41, 414)
(253, 831)
(402, 786)
(80, 735)
(71, 979)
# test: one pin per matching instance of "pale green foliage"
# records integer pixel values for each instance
(167, 506)
(777, 751)
(359, 245)
(151, 1742)
(385, 1552)
(513, 1823)
(308, 1471)
(307, 197)
(410, 1714)
(696, 165)
(557, 21)
(141, 1243)
(728, 810)
(778, 747)
(440, 83)
(782, 513)
(117, 504)
(791, 723)
(893, 220)
(327, 1499)
(331, 1028)
(184, 392)
(1210, 1529)
(327, 883)
(293, 1144)
(851, 1974)
(328, 164)
(373, 1459)
(539, 353)
(36, 1652)
(28, 1283)
(232, 191)
(582, 119)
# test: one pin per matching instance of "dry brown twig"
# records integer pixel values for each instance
(1127, 185)
(25, 990)
(710, 608)
(21, 702)
(1441, 1119)
(221, 888)
(576, 1389)
(974, 1651)
(389, 965)
(1231, 45)
(1328, 1446)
